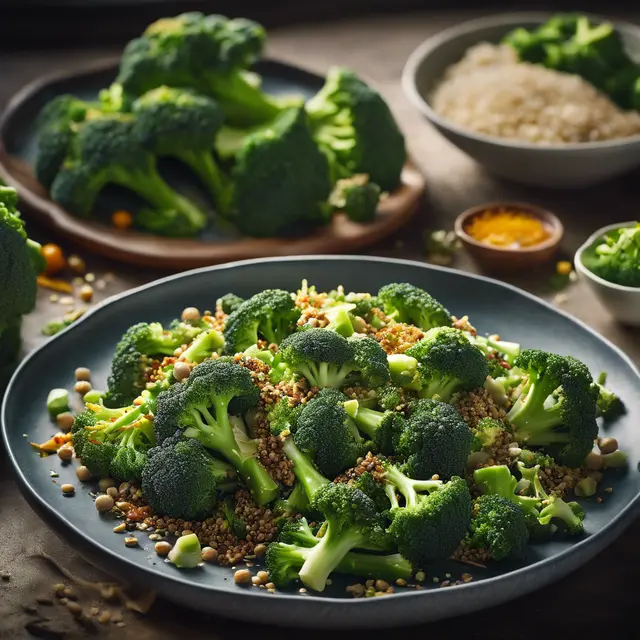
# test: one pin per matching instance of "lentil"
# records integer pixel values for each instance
(106, 483)
(242, 576)
(86, 293)
(594, 461)
(82, 387)
(104, 617)
(77, 264)
(68, 489)
(104, 503)
(131, 542)
(163, 548)
(190, 314)
(65, 452)
(181, 371)
(65, 420)
(121, 528)
(607, 445)
(82, 373)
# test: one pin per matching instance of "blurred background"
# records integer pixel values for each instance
(29, 24)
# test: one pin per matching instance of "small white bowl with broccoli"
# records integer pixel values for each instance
(609, 261)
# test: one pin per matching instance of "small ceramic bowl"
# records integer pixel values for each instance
(623, 303)
(495, 259)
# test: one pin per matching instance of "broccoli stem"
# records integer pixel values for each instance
(368, 420)
(403, 369)
(325, 374)
(326, 555)
(407, 486)
(308, 476)
(206, 168)
(530, 416)
(389, 567)
(441, 388)
(217, 434)
(149, 185)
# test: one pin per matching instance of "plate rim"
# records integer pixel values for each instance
(574, 556)
(139, 248)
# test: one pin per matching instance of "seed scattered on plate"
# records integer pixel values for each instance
(68, 489)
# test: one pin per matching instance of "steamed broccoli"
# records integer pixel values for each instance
(209, 54)
(436, 440)
(609, 405)
(203, 346)
(412, 491)
(20, 264)
(286, 557)
(200, 408)
(182, 480)
(433, 527)
(133, 354)
(181, 124)
(270, 315)
(351, 522)
(356, 129)
(616, 257)
(500, 526)
(280, 180)
(384, 428)
(229, 302)
(407, 303)
(486, 432)
(356, 197)
(105, 150)
(556, 405)
(447, 363)
(326, 359)
(498, 480)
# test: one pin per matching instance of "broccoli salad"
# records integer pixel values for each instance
(315, 433)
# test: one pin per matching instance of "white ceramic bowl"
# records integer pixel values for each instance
(622, 302)
(564, 166)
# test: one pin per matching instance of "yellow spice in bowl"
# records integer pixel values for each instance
(507, 229)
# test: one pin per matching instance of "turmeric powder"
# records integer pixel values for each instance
(507, 228)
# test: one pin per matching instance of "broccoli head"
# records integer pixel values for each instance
(447, 363)
(609, 404)
(182, 480)
(436, 440)
(383, 428)
(326, 359)
(181, 124)
(556, 405)
(500, 526)
(270, 315)
(433, 528)
(355, 126)
(404, 302)
(486, 432)
(356, 197)
(352, 521)
(229, 302)
(200, 408)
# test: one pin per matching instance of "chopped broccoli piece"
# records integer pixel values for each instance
(406, 303)
(200, 408)
(556, 405)
(186, 552)
(229, 302)
(486, 432)
(384, 429)
(270, 314)
(203, 346)
(182, 480)
(357, 197)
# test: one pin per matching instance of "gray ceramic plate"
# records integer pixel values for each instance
(492, 307)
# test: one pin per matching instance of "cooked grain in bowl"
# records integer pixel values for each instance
(489, 91)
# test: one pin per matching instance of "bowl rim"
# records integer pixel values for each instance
(557, 228)
(580, 266)
(424, 49)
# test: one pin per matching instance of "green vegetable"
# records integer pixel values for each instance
(357, 197)
(384, 428)
(57, 402)
(617, 257)
(407, 303)
(186, 552)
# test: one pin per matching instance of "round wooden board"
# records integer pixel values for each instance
(340, 236)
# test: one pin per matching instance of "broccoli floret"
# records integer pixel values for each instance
(447, 363)
(609, 405)
(55, 134)
(186, 552)
(280, 180)
(507, 351)
(556, 405)
(207, 53)
(203, 346)
(114, 442)
(133, 353)
(536, 458)
(105, 150)
(389, 397)
(356, 197)
(500, 526)
(200, 408)
(436, 440)
(20, 263)
(433, 528)
(237, 525)
(285, 558)
(296, 502)
(404, 302)
(181, 124)
(229, 302)
(182, 480)
(326, 359)
(486, 432)
(351, 522)
(270, 314)
(10, 343)
(355, 127)
(396, 482)
(384, 428)
(616, 257)
(498, 480)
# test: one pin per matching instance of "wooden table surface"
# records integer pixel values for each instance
(595, 600)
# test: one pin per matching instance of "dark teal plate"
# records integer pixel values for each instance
(493, 307)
